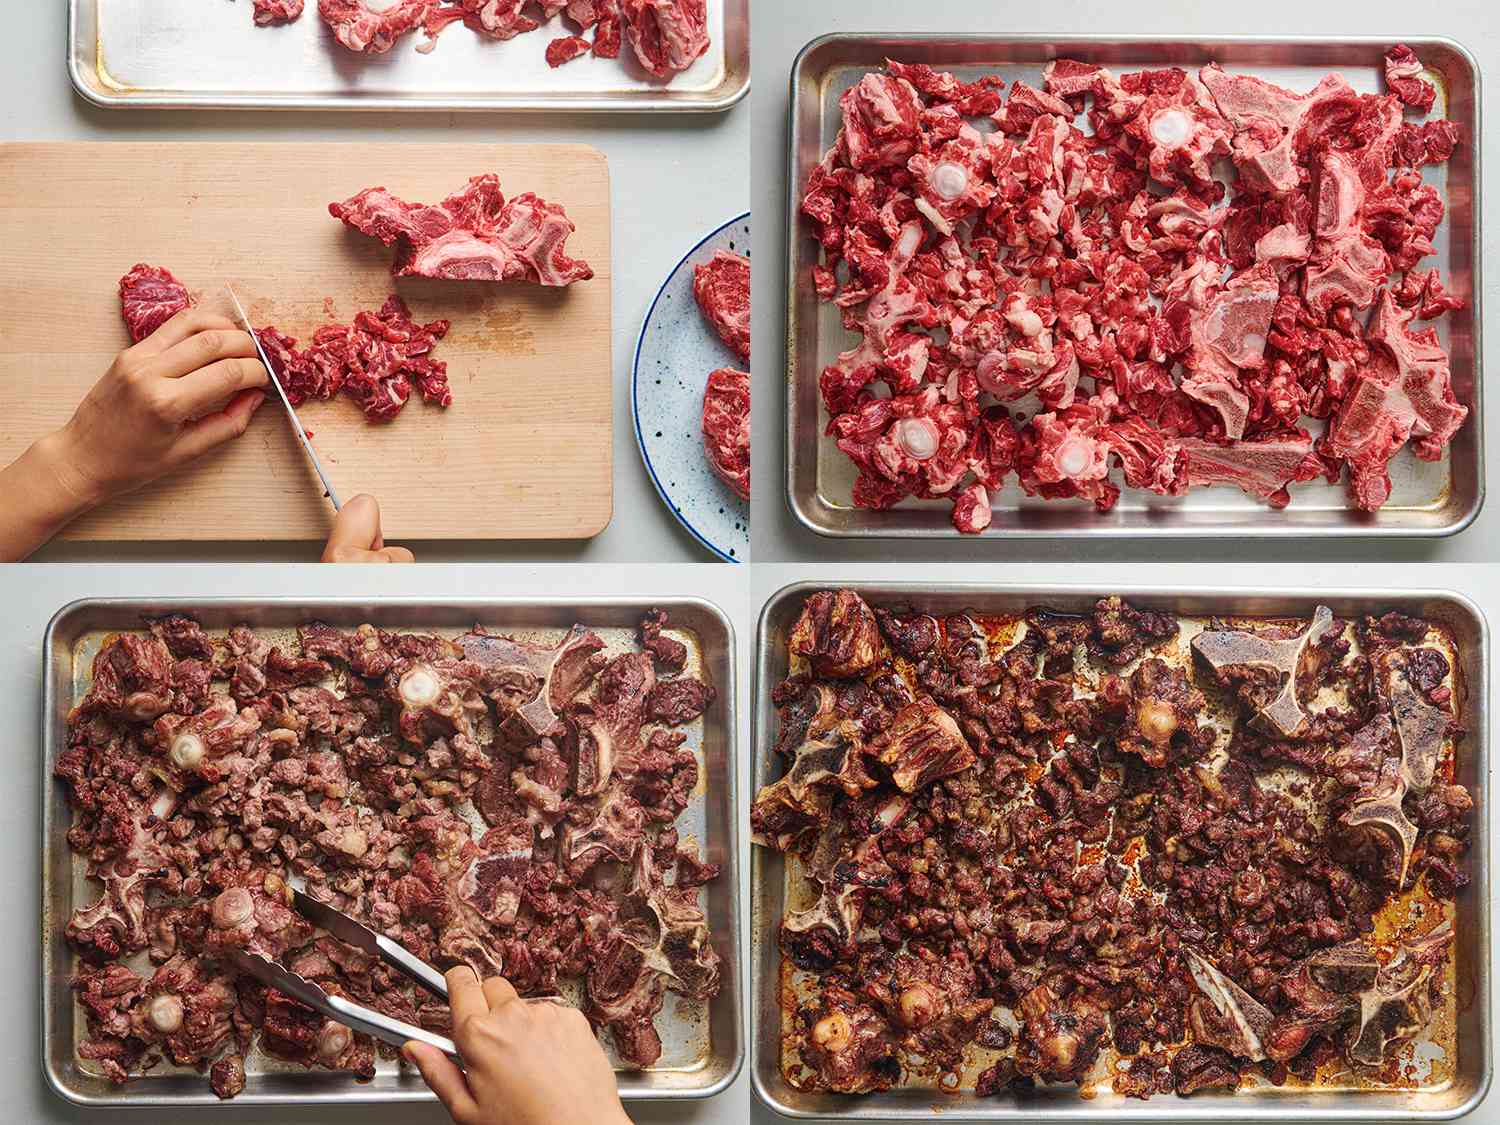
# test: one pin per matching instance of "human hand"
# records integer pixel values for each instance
(525, 1063)
(186, 389)
(356, 536)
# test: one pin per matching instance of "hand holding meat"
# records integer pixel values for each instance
(186, 389)
(357, 538)
(525, 1062)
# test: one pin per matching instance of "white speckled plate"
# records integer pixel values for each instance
(673, 358)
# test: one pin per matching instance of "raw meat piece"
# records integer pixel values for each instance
(722, 289)
(149, 297)
(1406, 392)
(668, 35)
(269, 13)
(1145, 314)
(376, 361)
(473, 235)
(726, 428)
(365, 30)
(960, 808)
(1263, 467)
(1403, 77)
(566, 49)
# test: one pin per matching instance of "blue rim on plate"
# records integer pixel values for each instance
(635, 402)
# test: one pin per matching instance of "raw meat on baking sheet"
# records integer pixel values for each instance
(149, 297)
(667, 36)
(268, 13)
(368, 30)
(206, 772)
(726, 428)
(376, 360)
(1069, 305)
(473, 235)
(721, 287)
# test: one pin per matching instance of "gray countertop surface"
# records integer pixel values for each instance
(782, 27)
(30, 595)
(673, 178)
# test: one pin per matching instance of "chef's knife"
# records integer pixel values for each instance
(386, 1028)
(347, 930)
(291, 413)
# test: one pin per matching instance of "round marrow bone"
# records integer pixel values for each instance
(1171, 128)
(918, 1005)
(950, 180)
(234, 907)
(166, 1013)
(333, 1041)
(918, 438)
(833, 1032)
(419, 686)
(187, 751)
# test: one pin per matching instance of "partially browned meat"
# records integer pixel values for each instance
(205, 775)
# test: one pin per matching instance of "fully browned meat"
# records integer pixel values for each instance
(206, 771)
(1079, 822)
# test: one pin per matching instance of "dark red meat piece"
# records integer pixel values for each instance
(149, 297)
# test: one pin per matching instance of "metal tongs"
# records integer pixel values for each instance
(356, 1016)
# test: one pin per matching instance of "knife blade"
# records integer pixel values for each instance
(356, 1016)
(347, 930)
(291, 411)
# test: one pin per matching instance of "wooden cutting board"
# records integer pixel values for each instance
(523, 452)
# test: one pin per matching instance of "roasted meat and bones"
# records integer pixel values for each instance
(1119, 849)
(206, 773)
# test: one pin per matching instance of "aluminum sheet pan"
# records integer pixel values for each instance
(201, 54)
(1427, 499)
(1471, 1079)
(702, 1050)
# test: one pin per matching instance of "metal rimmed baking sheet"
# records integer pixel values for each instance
(768, 873)
(203, 54)
(1428, 498)
(703, 1044)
